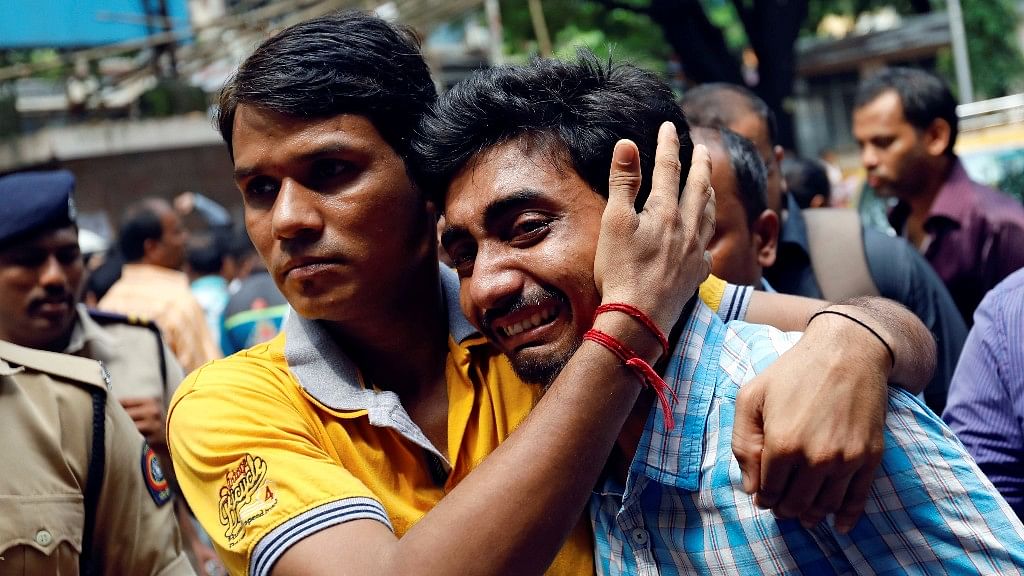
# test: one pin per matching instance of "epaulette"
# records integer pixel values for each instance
(104, 318)
(64, 366)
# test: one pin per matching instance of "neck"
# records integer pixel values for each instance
(401, 345)
(921, 200)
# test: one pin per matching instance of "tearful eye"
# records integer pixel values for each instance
(529, 227)
(327, 169)
(260, 188)
(462, 260)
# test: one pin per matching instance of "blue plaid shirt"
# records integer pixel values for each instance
(683, 509)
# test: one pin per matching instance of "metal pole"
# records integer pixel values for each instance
(961, 61)
(493, 11)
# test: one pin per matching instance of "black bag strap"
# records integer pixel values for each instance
(88, 563)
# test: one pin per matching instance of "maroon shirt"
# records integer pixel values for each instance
(976, 237)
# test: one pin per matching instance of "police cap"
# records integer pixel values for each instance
(33, 201)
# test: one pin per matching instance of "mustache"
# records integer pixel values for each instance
(533, 297)
(53, 295)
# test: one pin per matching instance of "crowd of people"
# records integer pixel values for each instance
(555, 320)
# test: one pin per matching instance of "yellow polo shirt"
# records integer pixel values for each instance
(282, 440)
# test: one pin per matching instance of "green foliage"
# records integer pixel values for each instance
(171, 97)
(9, 121)
(997, 65)
(624, 34)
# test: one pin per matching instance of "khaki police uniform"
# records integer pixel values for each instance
(140, 364)
(47, 439)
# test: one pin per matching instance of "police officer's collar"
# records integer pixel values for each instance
(327, 374)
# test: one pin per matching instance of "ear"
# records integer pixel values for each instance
(936, 137)
(780, 155)
(818, 201)
(150, 247)
(765, 234)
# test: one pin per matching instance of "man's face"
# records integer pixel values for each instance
(40, 282)
(754, 128)
(892, 150)
(733, 247)
(170, 251)
(521, 229)
(330, 209)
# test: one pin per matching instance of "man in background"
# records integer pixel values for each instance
(830, 254)
(152, 285)
(905, 122)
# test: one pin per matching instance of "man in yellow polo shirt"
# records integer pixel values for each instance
(378, 433)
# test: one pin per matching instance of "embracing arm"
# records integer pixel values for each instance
(808, 430)
(512, 513)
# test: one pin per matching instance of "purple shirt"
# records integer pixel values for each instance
(985, 406)
(977, 237)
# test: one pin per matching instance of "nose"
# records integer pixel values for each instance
(494, 283)
(295, 211)
(53, 273)
(868, 157)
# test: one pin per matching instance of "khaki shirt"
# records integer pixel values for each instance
(131, 354)
(46, 413)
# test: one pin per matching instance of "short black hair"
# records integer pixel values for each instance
(750, 172)
(141, 222)
(925, 97)
(341, 63)
(205, 254)
(576, 110)
(805, 179)
(715, 105)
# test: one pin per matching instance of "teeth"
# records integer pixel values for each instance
(536, 320)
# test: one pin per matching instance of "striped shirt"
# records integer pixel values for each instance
(683, 510)
(986, 396)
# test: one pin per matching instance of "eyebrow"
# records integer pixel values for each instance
(493, 212)
(326, 149)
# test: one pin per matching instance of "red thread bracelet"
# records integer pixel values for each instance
(640, 366)
(639, 315)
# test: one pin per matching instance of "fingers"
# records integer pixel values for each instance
(667, 167)
(856, 497)
(804, 485)
(829, 499)
(624, 177)
(748, 435)
(776, 470)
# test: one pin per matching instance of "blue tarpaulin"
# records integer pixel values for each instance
(79, 23)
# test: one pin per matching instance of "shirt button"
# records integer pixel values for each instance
(640, 537)
(43, 538)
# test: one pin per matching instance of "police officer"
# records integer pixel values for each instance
(83, 492)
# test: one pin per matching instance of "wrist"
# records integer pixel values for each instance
(841, 327)
(630, 332)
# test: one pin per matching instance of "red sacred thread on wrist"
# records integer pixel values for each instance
(643, 370)
(639, 315)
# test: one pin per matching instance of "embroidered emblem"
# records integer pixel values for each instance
(246, 495)
(156, 482)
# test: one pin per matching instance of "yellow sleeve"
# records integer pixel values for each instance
(253, 465)
(711, 292)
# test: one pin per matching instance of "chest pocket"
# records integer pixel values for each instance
(41, 534)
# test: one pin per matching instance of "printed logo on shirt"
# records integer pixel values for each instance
(156, 482)
(246, 495)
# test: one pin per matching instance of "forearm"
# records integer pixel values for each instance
(912, 344)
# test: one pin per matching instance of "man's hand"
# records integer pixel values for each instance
(148, 415)
(655, 259)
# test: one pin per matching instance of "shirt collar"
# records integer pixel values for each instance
(327, 374)
(955, 198)
(674, 457)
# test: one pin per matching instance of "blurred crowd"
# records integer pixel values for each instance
(323, 404)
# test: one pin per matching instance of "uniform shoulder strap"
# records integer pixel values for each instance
(65, 366)
(836, 241)
(104, 318)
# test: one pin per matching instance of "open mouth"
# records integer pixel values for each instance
(538, 318)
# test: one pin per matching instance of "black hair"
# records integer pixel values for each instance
(715, 105)
(750, 172)
(576, 110)
(805, 179)
(141, 222)
(205, 254)
(340, 63)
(924, 96)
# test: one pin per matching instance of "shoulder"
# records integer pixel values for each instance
(747, 349)
(127, 329)
(84, 372)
